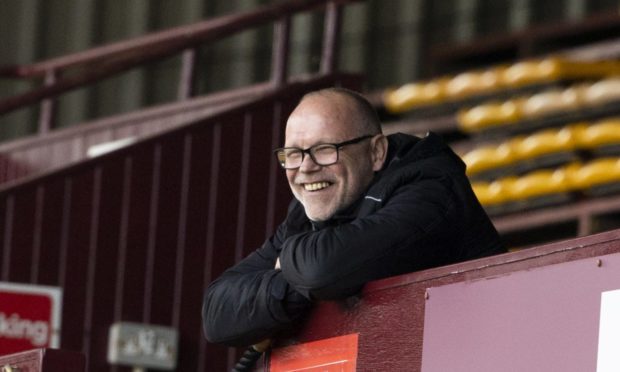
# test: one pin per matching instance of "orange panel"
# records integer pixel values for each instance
(337, 354)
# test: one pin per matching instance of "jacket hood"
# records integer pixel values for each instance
(407, 156)
(404, 149)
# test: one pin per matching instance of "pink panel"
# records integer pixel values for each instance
(543, 319)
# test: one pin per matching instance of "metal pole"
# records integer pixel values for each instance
(186, 78)
(331, 35)
(279, 58)
(46, 115)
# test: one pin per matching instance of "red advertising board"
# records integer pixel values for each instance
(29, 317)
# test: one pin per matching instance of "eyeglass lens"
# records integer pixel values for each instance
(324, 154)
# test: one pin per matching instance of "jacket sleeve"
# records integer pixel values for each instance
(398, 237)
(251, 300)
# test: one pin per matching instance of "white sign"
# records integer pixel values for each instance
(609, 333)
(142, 345)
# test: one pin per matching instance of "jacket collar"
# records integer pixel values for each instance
(403, 149)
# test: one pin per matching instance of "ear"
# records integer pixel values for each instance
(379, 148)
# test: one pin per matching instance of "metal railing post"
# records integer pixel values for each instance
(331, 38)
(279, 58)
(186, 77)
(46, 115)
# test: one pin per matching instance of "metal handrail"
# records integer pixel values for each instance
(101, 62)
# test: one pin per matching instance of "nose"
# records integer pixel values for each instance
(308, 165)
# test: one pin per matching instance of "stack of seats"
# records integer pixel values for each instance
(544, 148)
(552, 122)
(494, 80)
(546, 187)
(548, 166)
(583, 97)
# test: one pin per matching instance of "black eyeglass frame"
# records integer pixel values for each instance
(309, 150)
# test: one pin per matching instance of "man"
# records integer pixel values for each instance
(366, 207)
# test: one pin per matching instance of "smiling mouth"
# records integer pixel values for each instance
(316, 186)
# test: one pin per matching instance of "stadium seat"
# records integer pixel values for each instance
(601, 133)
(472, 83)
(545, 142)
(489, 157)
(554, 69)
(491, 193)
(539, 183)
(552, 101)
(597, 172)
(487, 115)
(602, 91)
(414, 95)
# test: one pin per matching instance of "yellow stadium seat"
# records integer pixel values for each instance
(532, 71)
(578, 131)
(488, 157)
(602, 91)
(555, 68)
(472, 83)
(539, 183)
(571, 171)
(490, 114)
(552, 101)
(604, 132)
(597, 172)
(587, 69)
(546, 142)
(490, 194)
(414, 95)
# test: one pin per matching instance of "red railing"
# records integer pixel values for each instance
(73, 71)
(33, 154)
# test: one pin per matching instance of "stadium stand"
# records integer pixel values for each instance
(469, 85)
(580, 98)
(135, 232)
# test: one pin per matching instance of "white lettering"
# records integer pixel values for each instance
(146, 343)
(37, 332)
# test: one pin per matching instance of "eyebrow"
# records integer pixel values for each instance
(320, 142)
(314, 144)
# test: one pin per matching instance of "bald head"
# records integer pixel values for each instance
(363, 116)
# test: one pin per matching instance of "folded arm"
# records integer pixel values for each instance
(250, 301)
(335, 262)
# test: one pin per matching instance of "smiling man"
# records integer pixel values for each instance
(337, 168)
(366, 207)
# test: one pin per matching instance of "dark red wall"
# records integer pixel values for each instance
(138, 234)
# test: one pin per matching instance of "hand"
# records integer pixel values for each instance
(262, 346)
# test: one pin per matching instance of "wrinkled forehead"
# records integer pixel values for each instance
(321, 118)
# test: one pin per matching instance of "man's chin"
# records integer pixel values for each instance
(318, 216)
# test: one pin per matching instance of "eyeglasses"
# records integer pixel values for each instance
(321, 154)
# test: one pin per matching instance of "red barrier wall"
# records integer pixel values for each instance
(389, 316)
(137, 235)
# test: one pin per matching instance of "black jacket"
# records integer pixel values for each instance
(419, 212)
